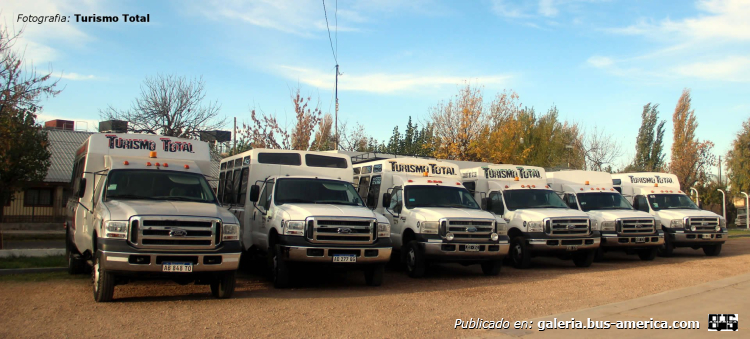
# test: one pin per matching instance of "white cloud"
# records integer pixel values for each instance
(383, 82)
(547, 8)
(704, 46)
(303, 17)
(76, 76)
(37, 38)
(720, 19)
(600, 61)
(732, 68)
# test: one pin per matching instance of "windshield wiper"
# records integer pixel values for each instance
(178, 198)
(335, 202)
(128, 196)
(301, 201)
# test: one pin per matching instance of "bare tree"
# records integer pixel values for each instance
(306, 120)
(600, 149)
(169, 105)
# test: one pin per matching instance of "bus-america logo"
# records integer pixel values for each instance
(528, 173)
(431, 168)
(649, 180)
(168, 145)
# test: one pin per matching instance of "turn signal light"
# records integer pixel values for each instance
(587, 182)
(656, 185)
(458, 184)
(424, 174)
(152, 154)
(523, 186)
(516, 179)
(157, 164)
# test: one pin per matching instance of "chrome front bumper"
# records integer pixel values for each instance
(458, 249)
(697, 237)
(563, 244)
(121, 261)
(368, 255)
(616, 240)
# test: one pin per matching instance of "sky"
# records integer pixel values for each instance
(598, 61)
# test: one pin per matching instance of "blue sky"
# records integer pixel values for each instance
(598, 61)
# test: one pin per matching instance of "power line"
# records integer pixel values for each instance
(329, 31)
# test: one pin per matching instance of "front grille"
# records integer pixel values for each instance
(703, 224)
(341, 230)
(470, 230)
(169, 232)
(566, 226)
(635, 226)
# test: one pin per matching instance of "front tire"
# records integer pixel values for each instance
(712, 250)
(520, 256)
(76, 264)
(374, 275)
(104, 282)
(491, 267)
(648, 254)
(416, 264)
(666, 250)
(223, 286)
(584, 258)
(279, 268)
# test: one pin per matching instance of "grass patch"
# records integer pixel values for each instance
(738, 233)
(33, 262)
(38, 277)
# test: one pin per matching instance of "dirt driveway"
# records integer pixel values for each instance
(338, 304)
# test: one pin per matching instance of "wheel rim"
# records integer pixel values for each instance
(412, 259)
(96, 276)
(517, 252)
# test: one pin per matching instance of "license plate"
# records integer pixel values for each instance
(571, 247)
(472, 248)
(177, 267)
(640, 239)
(345, 258)
(706, 236)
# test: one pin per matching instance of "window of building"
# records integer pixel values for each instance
(37, 197)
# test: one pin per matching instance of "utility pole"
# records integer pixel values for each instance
(234, 135)
(720, 170)
(336, 89)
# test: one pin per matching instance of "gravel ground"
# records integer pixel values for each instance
(338, 304)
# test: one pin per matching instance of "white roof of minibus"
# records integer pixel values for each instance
(141, 145)
(416, 167)
(263, 170)
(648, 179)
(580, 178)
(504, 176)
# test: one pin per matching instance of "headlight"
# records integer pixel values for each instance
(675, 223)
(294, 228)
(230, 232)
(535, 226)
(608, 225)
(494, 237)
(449, 236)
(430, 227)
(384, 230)
(116, 229)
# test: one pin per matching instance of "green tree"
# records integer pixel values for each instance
(738, 160)
(23, 144)
(649, 146)
(692, 159)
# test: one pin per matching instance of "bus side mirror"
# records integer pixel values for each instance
(486, 204)
(386, 200)
(81, 187)
(254, 193)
